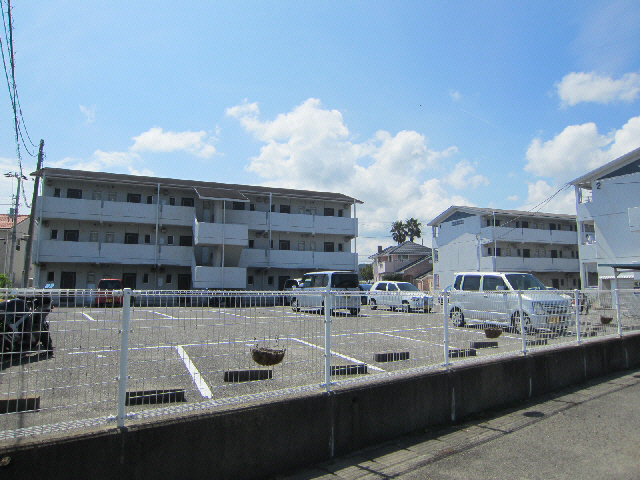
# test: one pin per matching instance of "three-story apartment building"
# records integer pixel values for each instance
(163, 233)
(490, 240)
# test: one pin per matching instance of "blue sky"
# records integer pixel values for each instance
(408, 106)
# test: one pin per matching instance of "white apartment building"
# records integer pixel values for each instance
(608, 212)
(490, 240)
(163, 233)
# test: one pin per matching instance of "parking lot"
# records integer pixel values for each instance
(205, 353)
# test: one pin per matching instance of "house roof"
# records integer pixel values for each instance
(6, 221)
(489, 211)
(614, 168)
(216, 190)
(406, 248)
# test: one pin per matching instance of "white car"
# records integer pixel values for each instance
(402, 295)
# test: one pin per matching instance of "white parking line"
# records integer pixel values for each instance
(91, 319)
(351, 359)
(195, 374)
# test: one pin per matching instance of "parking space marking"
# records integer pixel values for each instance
(91, 319)
(195, 374)
(351, 359)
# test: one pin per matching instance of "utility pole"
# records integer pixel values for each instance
(32, 220)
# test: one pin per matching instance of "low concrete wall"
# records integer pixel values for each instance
(258, 441)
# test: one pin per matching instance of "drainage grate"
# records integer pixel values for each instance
(237, 376)
(483, 344)
(151, 397)
(390, 357)
(16, 405)
(462, 352)
(358, 369)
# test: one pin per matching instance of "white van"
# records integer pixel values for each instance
(309, 296)
(492, 298)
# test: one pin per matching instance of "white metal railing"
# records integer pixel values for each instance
(126, 356)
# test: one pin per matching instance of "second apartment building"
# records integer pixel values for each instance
(163, 233)
(492, 240)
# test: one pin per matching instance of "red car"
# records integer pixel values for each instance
(105, 294)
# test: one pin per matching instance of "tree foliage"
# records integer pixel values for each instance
(398, 232)
(412, 227)
(4, 281)
(401, 230)
(366, 272)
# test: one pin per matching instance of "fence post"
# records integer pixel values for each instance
(522, 324)
(124, 353)
(576, 302)
(445, 306)
(615, 292)
(328, 304)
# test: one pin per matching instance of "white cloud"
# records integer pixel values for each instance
(543, 197)
(579, 149)
(157, 140)
(577, 87)
(311, 148)
(463, 176)
(89, 113)
(455, 96)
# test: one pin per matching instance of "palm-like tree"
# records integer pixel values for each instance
(412, 228)
(398, 232)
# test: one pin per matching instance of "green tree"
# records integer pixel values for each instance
(412, 228)
(393, 277)
(4, 281)
(398, 232)
(366, 272)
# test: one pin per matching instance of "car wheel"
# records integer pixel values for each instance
(457, 317)
(373, 304)
(354, 312)
(405, 307)
(294, 305)
(515, 323)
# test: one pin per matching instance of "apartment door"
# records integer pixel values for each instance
(184, 281)
(68, 280)
(129, 280)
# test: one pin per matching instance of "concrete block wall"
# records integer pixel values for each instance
(262, 440)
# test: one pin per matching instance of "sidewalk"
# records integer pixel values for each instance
(591, 431)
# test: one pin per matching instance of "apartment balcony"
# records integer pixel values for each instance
(518, 264)
(57, 251)
(257, 258)
(219, 277)
(113, 212)
(220, 234)
(589, 252)
(530, 235)
(294, 222)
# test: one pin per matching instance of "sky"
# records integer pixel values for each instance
(407, 106)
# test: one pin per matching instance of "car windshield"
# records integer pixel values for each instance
(407, 287)
(109, 285)
(524, 281)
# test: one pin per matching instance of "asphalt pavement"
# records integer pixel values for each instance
(590, 431)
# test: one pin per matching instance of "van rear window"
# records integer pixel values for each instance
(109, 285)
(344, 280)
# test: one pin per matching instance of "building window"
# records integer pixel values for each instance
(340, 213)
(74, 193)
(340, 247)
(285, 208)
(186, 240)
(435, 256)
(149, 199)
(71, 235)
(169, 239)
(251, 243)
(252, 207)
(172, 200)
(273, 207)
(147, 238)
(187, 202)
(51, 276)
(167, 279)
(134, 198)
(56, 192)
(329, 247)
(554, 254)
(301, 246)
(238, 205)
(97, 196)
(312, 246)
(284, 245)
(91, 279)
(131, 238)
(54, 234)
(329, 212)
(93, 236)
(526, 253)
(270, 280)
(145, 278)
(250, 280)
(109, 237)
(525, 224)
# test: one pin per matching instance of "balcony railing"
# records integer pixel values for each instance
(530, 235)
(531, 264)
(220, 234)
(219, 277)
(299, 260)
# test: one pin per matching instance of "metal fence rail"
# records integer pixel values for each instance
(130, 356)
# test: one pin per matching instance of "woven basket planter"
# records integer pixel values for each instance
(492, 332)
(605, 320)
(266, 356)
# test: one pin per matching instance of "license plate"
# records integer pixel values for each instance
(109, 300)
(554, 319)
